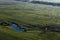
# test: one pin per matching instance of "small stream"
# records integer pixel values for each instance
(14, 26)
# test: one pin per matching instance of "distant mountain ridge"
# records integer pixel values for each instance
(46, 3)
(14, 2)
(41, 2)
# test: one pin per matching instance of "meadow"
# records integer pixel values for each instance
(29, 14)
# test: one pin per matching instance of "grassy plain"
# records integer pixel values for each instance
(29, 14)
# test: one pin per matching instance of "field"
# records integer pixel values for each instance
(29, 14)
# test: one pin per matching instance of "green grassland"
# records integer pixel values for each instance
(29, 14)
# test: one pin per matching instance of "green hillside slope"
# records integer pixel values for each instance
(29, 14)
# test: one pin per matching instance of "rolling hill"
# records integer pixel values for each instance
(24, 14)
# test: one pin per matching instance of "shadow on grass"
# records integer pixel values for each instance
(4, 36)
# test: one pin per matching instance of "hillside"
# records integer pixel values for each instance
(24, 14)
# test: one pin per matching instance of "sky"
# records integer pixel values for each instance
(58, 1)
(49, 0)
